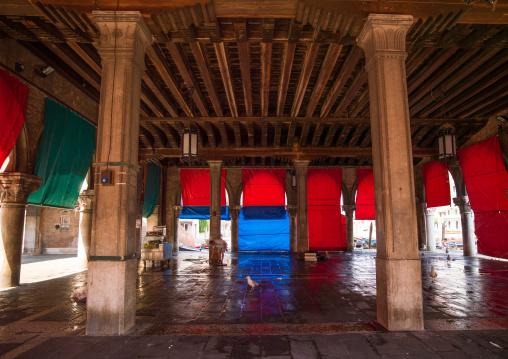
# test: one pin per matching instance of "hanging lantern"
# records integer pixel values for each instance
(189, 143)
(446, 143)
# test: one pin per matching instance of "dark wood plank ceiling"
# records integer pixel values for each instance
(265, 89)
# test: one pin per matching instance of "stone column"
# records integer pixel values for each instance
(301, 204)
(467, 223)
(139, 212)
(111, 302)
(234, 212)
(176, 228)
(350, 212)
(293, 231)
(398, 268)
(215, 174)
(15, 188)
(85, 203)
(430, 233)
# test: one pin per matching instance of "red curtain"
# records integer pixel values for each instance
(13, 98)
(324, 217)
(365, 202)
(264, 187)
(485, 175)
(437, 184)
(196, 187)
(487, 186)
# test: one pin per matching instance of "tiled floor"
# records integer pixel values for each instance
(300, 310)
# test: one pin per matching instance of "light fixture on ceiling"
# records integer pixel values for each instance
(44, 71)
(502, 119)
(189, 143)
(447, 146)
(489, 3)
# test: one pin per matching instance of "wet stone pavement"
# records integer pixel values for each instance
(300, 310)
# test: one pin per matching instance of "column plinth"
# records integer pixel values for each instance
(467, 223)
(111, 301)
(302, 222)
(399, 288)
(350, 212)
(15, 188)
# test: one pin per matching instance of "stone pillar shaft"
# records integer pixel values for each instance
(467, 223)
(293, 232)
(398, 268)
(430, 232)
(176, 228)
(111, 302)
(215, 175)
(85, 202)
(14, 191)
(350, 211)
(301, 203)
(234, 212)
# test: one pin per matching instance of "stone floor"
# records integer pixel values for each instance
(300, 310)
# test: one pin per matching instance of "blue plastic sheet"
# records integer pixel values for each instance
(268, 232)
(203, 212)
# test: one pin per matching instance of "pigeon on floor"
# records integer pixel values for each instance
(447, 251)
(79, 295)
(423, 254)
(251, 283)
(448, 258)
(433, 273)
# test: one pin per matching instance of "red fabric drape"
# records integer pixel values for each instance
(437, 184)
(196, 187)
(485, 175)
(13, 98)
(264, 187)
(486, 181)
(324, 217)
(365, 202)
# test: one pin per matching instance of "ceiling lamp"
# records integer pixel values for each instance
(189, 143)
(446, 142)
(489, 3)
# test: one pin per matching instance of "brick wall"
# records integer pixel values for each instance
(62, 240)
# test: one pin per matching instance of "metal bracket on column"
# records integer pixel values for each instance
(113, 258)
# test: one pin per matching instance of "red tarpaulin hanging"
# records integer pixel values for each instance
(365, 200)
(485, 175)
(324, 217)
(437, 184)
(13, 98)
(487, 187)
(196, 187)
(264, 187)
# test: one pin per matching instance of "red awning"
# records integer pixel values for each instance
(196, 187)
(365, 200)
(437, 184)
(264, 187)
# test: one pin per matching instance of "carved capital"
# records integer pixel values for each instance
(234, 211)
(123, 34)
(15, 187)
(349, 209)
(291, 210)
(429, 211)
(85, 200)
(176, 211)
(463, 204)
(384, 36)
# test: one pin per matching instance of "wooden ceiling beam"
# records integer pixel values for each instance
(264, 134)
(316, 138)
(160, 62)
(285, 152)
(190, 81)
(222, 59)
(244, 58)
(287, 64)
(277, 134)
(308, 66)
(161, 136)
(362, 102)
(328, 64)
(347, 69)
(147, 136)
(174, 138)
(266, 63)
(331, 134)
(351, 92)
(223, 134)
(250, 133)
(163, 99)
(483, 101)
(211, 134)
(344, 134)
(434, 64)
(419, 57)
(238, 134)
(291, 134)
(304, 135)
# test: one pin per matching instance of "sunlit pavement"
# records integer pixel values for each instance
(300, 310)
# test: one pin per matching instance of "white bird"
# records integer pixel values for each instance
(433, 273)
(251, 283)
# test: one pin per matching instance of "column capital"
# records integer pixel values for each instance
(429, 211)
(291, 210)
(384, 36)
(123, 34)
(85, 200)
(214, 164)
(301, 165)
(234, 211)
(15, 187)
(463, 204)
(349, 209)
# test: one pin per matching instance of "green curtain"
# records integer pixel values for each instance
(65, 153)
(152, 185)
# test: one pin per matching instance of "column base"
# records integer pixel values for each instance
(111, 299)
(399, 294)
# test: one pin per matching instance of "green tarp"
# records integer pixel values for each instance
(65, 153)
(152, 185)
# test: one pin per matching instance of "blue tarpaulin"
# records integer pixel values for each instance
(267, 232)
(203, 212)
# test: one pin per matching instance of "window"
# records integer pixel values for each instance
(65, 221)
(449, 224)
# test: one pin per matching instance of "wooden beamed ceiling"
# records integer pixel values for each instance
(263, 90)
